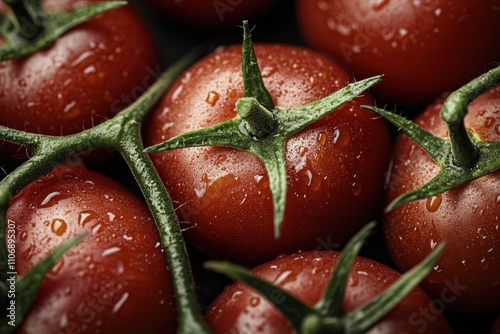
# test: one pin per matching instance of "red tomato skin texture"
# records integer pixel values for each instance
(212, 14)
(424, 48)
(240, 309)
(85, 77)
(116, 280)
(467, 277)
(335, 166)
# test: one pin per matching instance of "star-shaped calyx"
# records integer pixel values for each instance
(263, 128)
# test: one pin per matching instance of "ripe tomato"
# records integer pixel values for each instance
(240, 309)
(467, 276)
(423, 47)
(116, 280)
(214, 14)
(88, 75)
(335, 166)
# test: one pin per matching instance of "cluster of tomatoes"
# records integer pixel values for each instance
(341, 170)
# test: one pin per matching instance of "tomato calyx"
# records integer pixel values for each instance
(327, 316)
(262, 128)
(27, 28)
(463, 157)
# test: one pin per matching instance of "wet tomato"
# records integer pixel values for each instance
(422, 47)
(116, 280)
(335, 166)
(89, 74)
(240, 309)
(466, 278)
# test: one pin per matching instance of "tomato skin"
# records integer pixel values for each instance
(467, 275)
(335, 166)
(239, 309)
(214, 14)
(422, 47)
(116, 280)
(87, 76)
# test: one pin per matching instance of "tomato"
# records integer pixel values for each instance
(116, 280)
(335, 166)
(239, 309)
(423, 47)
(89, 74)
(213, 14)
(467, 276)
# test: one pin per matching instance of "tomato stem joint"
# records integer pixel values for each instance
(257, 120)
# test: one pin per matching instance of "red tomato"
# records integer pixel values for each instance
(335, 166)
(214, 14)
(88, 75)
(240, 309)
(467, 276)
(116, 280)
(423, 47)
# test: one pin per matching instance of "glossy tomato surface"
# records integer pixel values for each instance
(240, 309)
(335, 166)
(87, 76)
(467, 276)
(213, 14)
(423, 47)
(116, 280)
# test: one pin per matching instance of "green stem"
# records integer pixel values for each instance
(465, 152)
(29, 18)
(317, 324)
(259, 122)
(252, 77)
(123, 134)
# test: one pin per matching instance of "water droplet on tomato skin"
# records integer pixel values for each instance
(432, 204)
(212, 98)
(52, 199)
(23, 236)
(254, 301)
(357, 188)
(58, 226)
(379, 4)
(87, 216)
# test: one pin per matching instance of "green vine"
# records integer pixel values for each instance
(121, 133)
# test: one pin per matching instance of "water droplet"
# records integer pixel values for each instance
(110, 251)
(284, 277)
(52, 199)
(379, 4)
(322, 138)
(254, 301)
(58, 226)
(56, 268)
(341, 138)
(86, 217)
(489, 122)
(357, 188)
(128, 238)
(220, 159)
(111, 216)
(433, 203)
(22, 83)
(212, 98)
(96, 229)
(120, 302)
(267, 71)
(433, 244)
(231, 93)
(177, 92)
(23, 236)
